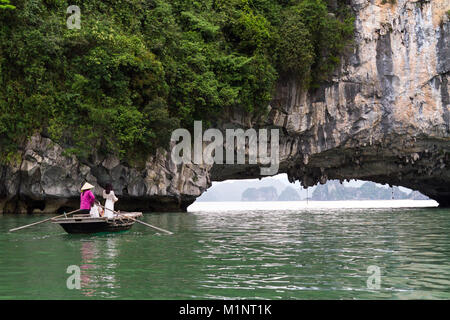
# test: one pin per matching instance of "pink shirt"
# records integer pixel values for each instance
(87, 199)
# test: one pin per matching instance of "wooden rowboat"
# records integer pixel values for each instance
(86, 224)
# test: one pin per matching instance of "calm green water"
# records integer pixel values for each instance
(320, 254)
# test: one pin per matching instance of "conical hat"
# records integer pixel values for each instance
(87, 186)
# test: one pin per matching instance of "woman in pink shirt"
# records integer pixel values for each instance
(87, 198)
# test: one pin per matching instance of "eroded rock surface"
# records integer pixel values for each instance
(47, 181)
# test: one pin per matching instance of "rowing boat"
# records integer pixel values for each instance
(86, 224)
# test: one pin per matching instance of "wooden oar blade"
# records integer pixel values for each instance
(149, 225)
(39, 222)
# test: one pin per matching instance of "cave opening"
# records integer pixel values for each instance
(35, 205)
(278, 188)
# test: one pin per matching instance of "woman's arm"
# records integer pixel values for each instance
(91, 198)
(115, 199)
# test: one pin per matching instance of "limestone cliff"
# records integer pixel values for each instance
(48, 181)
(384, 117)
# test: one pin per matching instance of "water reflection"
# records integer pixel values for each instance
(98, 266)
(88, 252)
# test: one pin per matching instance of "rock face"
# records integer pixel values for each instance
(47, 181)
(384, 117)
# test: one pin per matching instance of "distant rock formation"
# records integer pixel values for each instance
(416, 195)
(334, 190)
(289, 194)
(233, 190)
(260, 194)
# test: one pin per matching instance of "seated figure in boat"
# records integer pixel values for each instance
(96, 210)
(111, 198)
(87, 198)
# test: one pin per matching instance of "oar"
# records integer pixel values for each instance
(138, 221)
(35, 223)
(149, 225)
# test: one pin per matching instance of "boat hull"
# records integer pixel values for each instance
(88, 228)
(89, 225)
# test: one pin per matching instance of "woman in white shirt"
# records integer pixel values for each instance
(110, 197)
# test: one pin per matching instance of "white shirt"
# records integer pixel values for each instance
(109, 204)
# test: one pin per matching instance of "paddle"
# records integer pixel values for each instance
(35, 223)
(138, 221)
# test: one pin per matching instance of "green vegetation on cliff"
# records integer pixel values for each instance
(136, 69)
(6, 5)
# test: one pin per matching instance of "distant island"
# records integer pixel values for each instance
(332, 191)
(273, 189)
(260, 194)
(289, 194)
